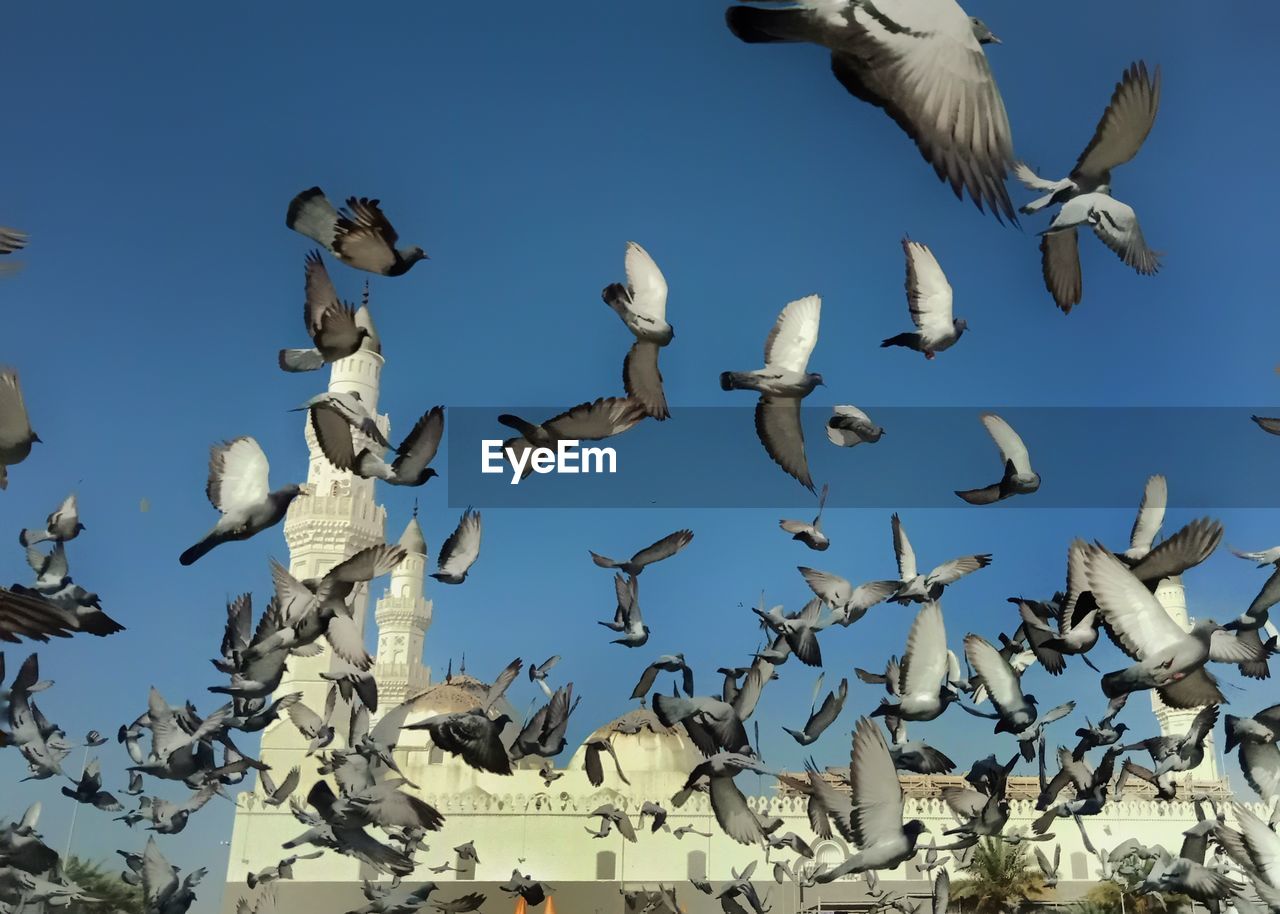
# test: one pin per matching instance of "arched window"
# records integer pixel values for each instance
(436, 756)
(606, 863)
(913, 871)
(1079, 865)
(697, 865)
(465, 869)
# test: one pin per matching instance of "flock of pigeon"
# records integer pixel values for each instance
(925, 65)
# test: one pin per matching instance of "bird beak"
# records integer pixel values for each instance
(994, 40)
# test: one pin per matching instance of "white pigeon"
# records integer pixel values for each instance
(923, 63)
(16, 436)
(61, 526)
(875, 819)
(929, 300)
(1015, 710)
(848, 603)
(1146, 526)
(1120, 133)
(850, 426)
(921, 687)
(238, 488)
(1018, 478)
(460, 550)
(783, 383)
(1115, 224)
(642, 305)
(920, 587)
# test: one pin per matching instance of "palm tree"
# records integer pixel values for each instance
(1121, 894)
(998, 879)
(113, 893)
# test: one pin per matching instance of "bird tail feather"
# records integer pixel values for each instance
(198, 551)
(301, 360)
(902, 339)
(311, 214)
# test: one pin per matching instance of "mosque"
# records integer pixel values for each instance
(517, 821)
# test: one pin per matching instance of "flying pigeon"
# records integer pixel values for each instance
(1015, 710)
(593, 761)
(823, 717)
(329, 830)
(418, 449)
(1018, 479)
(642, 305)
(162, 891)
(810, 532)
(11, 240)
(783, 383)
(331, 323)
(728, 803)
(1150, 518)
(920, 587)
(88, 789)
(460, 550)
(1119, 135)
(605, 417)
(538, 673)
(924, 65)
(875, 820)
(929, 301)
(16, 436)
(1259, 754)
(628, 621)
(334, 416)
(471, 735)
(61, 526)
(1270, 426)
(848, 603)
(667, 663)
(359, 235)
(664, 548)
(1116, 225)
(850, 426)
(238, 489)
(921, 684)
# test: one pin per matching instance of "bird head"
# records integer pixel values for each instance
(429, 473)
(414, 254)
(816, 378)
(914, 829)
(1029, 699)
(960, 325)
(982, 33)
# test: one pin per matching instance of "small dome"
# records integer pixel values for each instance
(412, 539)
(460, 693)
(651, 747)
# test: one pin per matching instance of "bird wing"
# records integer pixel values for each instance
(363, 236)
(1032, 181)
(928, 292)
(1185, 549)
(1260, 763)
(921, 63)
(333, 434)
(924, 665)
(1132, 616)
(1060, 266)
(642, 379)
(1227, 647)
(419, 447)
(1012, 450)
(308, 722)
(503, 682)
(1117, 227)
(15, 427)
(320, 292)
(941, 892)
(1261, 845)
(1195, 690)
(367, 564)
(462, 547)
(646, 283)
(1155, 497)
(1124, 126)
(1003, 685)
(902, 550)
(954, 570)
(876, 793)
(238, 475)
(830, 588)
(347, 640)
(732, 812)
(601, 418)
(664, 548)
(779, 430)
(830, 709)
(794, 335)
(158, 877)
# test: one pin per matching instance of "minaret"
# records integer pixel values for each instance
(1174, 722)
(338, 520)
(403, 616)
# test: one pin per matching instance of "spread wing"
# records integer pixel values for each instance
(794, 335)
(996, 673)
(924, 666)
(921, 63)
(876, 793)
(1060, 266)
(419, 447)
(364, 237)
(778, 428)
(1185, 549)
(1125, 124)
(1155, 497)
(1133, 617)
(664, 548)
(333, 434)
(928, 292)
(1012, 450)
(320, 292)
(642, 379)
(902, 550)
(238, 471)
(602, 418)
(1117, 227)
(462, 547)
(646, 283)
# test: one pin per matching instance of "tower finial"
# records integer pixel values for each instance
(415, 507)
(364, 298)
(462, 669)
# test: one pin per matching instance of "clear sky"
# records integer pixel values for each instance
(151, 150)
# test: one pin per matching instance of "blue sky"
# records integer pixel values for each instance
(153, 149)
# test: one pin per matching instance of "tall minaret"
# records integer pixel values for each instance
(1174, 722)
(322, 529)
(403, 616)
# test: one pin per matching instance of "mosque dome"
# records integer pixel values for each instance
(651, 747)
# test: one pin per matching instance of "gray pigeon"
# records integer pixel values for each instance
(783, 383)
(16, 436)
(1015, 711)
(238, 488)
(88, 789)
(418, 449)
(1119, 135)
(642, 305)
(1259, 754)
(929, 301)
(1018, 478)
(334, 416)
(331, 323)
(460, 550)
(921, 683)
(848, 603)
(810, 532)
(359, 235)
(62, 525)
(471, 735)
(850, 426)
(823, 717)
(664, 548)
(597, 420)
(924, 65)
(627, 618)
(667, 663)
